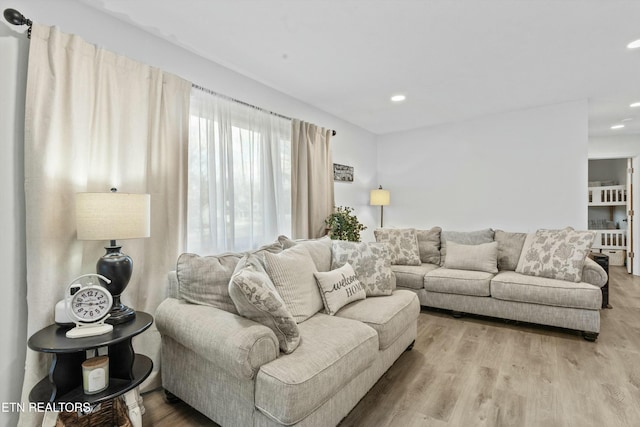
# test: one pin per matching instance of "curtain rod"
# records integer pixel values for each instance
(16, 18)
(246, 104)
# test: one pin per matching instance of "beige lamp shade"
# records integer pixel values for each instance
(379, 197)
(113, 216)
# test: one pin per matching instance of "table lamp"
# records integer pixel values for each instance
(380, 198)
(114, 216)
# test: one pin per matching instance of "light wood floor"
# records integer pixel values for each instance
(485, 372)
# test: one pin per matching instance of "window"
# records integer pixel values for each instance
(239, 195)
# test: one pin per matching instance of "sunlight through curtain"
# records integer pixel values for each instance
(239, 176)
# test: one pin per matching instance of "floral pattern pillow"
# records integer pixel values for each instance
(403, 243)
(256, 298)
(371, 263)
(556, 254)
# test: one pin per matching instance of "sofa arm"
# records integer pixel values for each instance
(594, 274)
(231, 342)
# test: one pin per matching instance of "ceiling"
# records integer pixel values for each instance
(454, 59)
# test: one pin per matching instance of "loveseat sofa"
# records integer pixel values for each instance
(283, 369)
(544, 277)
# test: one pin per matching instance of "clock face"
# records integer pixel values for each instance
(91, 303)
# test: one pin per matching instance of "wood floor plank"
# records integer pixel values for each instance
(477, 371)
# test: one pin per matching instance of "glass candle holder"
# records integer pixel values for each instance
(95, 374)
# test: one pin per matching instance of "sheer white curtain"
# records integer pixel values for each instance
(239, 175)
(96, 120)
(312, 179)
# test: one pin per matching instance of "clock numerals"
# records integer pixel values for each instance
(90, 304)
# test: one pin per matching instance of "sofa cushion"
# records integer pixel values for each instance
(338, 288)
(461, 282)
(319, 249)
(512, 286)
(556, 254)
(429, 245)
(509, 249)
(482, 257)
(292, 274)
(389, 315)
(370, 261)
(333, 351)
(256, 298)
(403, 244)
(205, 280)
(465, 238)
(412, 276)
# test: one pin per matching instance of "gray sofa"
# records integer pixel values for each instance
(231, 369)
(504, 293)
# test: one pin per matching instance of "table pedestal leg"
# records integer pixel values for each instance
(135, 414)
(50, 419)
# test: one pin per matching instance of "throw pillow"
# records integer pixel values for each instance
(339, 287)
(509, 249)
(429, 245)
(205, 280)
(319, 249)
(556, 254)
(370, 261)
(292, 274)
(482, 257)
(464, 238)
(403, 243)
(256, 298)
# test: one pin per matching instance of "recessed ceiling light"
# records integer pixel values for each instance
(628, 119)
(635, 105)
(398, 98)
(634, 44)
(620, 126)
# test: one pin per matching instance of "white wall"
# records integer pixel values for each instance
(13, 318)
(614, 147)
(352, 145)
(517, 171)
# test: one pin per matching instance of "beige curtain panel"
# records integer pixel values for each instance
(311, 179)
(96, 120)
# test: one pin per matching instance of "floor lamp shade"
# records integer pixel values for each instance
(114, 216)
(380, 198)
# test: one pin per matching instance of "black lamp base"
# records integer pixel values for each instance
(117, 267)
(120, 314)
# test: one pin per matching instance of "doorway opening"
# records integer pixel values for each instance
(610, 209)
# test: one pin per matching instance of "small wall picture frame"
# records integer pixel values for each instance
(342, 173)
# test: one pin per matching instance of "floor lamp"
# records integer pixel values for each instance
(380, 198)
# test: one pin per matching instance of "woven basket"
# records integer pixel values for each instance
(112, 413)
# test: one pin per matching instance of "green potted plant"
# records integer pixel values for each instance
(343, 225)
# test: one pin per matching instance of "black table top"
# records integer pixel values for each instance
(52, 339)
